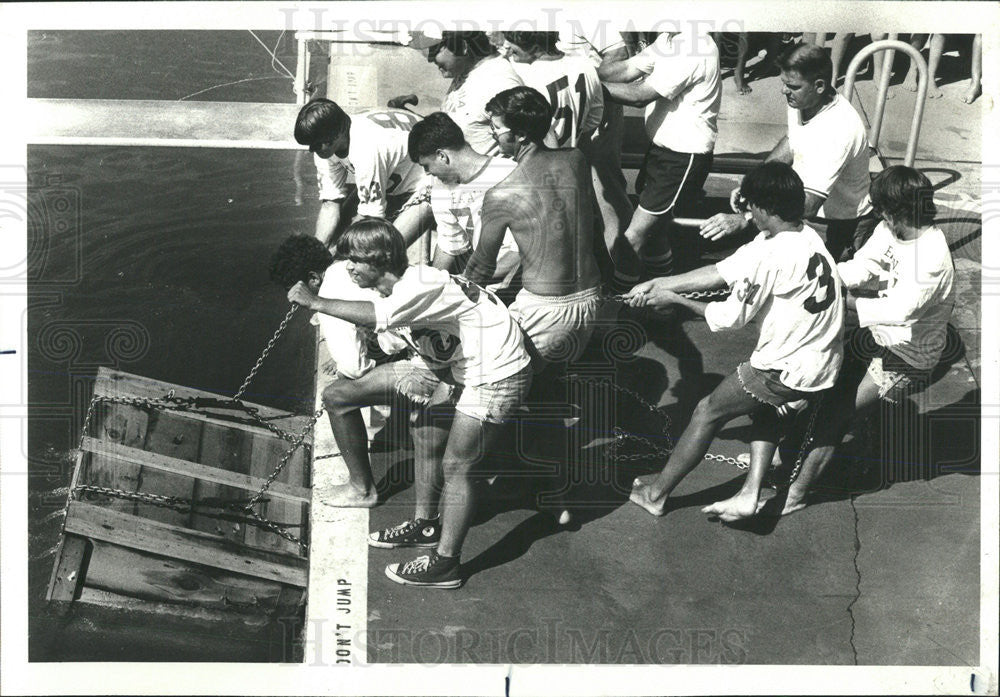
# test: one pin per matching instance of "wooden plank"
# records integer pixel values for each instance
(223, 452)
(265, 454)
(153, 577)
(69, 569)
(176, 437)
(126, 425)
(212, 448)
(118, 383)
(182, 543)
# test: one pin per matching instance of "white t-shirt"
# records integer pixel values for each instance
(458, 212)
(684, 70)
(346, 342)
(830, 154)
(791, 281)
(454, 323)
(378, 160)
(466, 104)
(573, 89)
(910, 285)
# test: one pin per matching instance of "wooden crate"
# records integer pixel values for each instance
(115, 551)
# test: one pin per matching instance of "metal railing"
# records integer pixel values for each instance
(890, 46)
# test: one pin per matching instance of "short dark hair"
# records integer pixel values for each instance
(374, 241)
(435, 132)
(808, 60)
(297, 256)
(319, 120)
(775, 188)
(475, 44)
(545, 40)
(905, 194)
(524, 110)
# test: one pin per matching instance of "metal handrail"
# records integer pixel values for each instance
(891, 45)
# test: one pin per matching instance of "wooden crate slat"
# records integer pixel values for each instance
(118, 383)
(152, 577)
(174, 437)
(265, 454)
(242, 483)
(223, 452)
(181, 543)
(126, 425)
(68, 570)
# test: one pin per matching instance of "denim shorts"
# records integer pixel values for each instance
(895, 377)
(766, 386)
(492, 402)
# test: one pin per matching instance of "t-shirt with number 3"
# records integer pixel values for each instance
(790, 280)
(378, 160)
(454, 323)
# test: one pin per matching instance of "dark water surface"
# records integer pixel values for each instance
(152, 261)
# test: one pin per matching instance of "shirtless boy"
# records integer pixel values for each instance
(547, 203)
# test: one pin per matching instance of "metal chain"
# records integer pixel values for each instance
(807, 439)
(263, 355)
(691, 295)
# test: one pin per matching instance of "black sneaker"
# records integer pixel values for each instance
(409, 533)
(430, 570)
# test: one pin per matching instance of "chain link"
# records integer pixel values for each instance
(264, 353)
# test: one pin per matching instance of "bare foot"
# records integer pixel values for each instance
(742, 87)
(346, 496)
(934, 92)
(910, 82)
(642, 496)
(736, 508)
(789, 504)
(975, 91)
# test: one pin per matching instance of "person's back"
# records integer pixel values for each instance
(548, 199)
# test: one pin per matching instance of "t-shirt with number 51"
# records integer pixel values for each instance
(791, 281)
(378, 161)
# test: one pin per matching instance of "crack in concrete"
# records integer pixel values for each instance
(857, 587)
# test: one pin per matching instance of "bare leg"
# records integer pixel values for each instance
(739, 72)
(976, 79)
(725, 403)
(933, 60)
(343, 399)
(849, 399)
(430, 436)
(917, 41)
(468, 441)
(762, 448)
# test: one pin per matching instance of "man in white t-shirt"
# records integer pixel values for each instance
(468, 342)
(461, 178)
(570, 83)
(828, 146)
(371, 149)
(901, 285)
(786, 277)
(477, 72)
(676, 79)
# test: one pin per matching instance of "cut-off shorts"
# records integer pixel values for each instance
(894, 376)
(765, 386)
(491, 402)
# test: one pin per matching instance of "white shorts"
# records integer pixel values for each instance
(557, 326)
